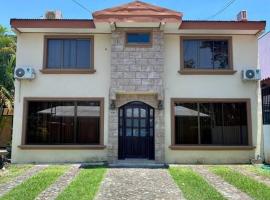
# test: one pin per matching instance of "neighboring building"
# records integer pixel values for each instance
(264, 55)
(265, 85)
(137, 81)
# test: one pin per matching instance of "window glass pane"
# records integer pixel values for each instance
(151, 112)
(190, 53)
(221, 59)
(128, 132)
(129, 112)
(138, 38)
(128, 122)
(151, 122)
(211, 123)
(70, 54)
(136, 112)
(143, 132)
(143, 112)
(220, 124)
(143, 122)
(88, 122)
(136, 132)
(50, 123)
(235, 124)
(54, 53)
(83, 53)
(151, 132)
(121, 121)
(135, 122)
(206, 54)
(66, 122)
(205, 57)
(186, 123)
(120, 131)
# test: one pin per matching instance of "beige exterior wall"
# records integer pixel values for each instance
(30, 53)
(212, 86)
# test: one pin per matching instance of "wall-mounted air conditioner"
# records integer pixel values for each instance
(24, 73)
(251, 74)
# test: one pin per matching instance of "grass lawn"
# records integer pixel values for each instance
(12, 171)
(85, 185)
(31, 188)
(258, 170)
(193, 185)
(248, 185)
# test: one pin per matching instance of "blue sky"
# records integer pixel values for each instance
(192, 9)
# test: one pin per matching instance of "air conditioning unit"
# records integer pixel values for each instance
(252, 74)
(53, 15)
(242, 16)
(24, 73)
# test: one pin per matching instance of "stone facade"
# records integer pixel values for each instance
(137, 75)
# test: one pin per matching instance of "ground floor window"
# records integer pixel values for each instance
(63, 122)
(210, 123)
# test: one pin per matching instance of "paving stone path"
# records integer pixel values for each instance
(58, 186)
(138, 184)
(262, 179)
(6, 187)
(224, 188)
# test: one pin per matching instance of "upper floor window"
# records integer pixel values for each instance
(69, 53)
(138, 38)
(206, 54)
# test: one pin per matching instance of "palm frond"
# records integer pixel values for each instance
(6, 99)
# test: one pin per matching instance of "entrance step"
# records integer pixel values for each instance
(137, 163)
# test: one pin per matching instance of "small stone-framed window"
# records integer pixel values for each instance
(139, 38)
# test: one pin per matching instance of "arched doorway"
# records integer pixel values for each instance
(136, 131)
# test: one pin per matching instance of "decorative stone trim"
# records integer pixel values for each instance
(136, 75)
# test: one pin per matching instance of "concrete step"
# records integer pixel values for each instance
(137, 163)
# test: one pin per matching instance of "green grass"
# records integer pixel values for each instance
(12, 171)
(193, 186)
(257, 170)
(85, 185)
(32, 187)
(248, 185)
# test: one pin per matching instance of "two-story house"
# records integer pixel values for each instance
(137, 82)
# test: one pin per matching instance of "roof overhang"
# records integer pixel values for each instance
(244, 27)
(137, 14)
(40, 25)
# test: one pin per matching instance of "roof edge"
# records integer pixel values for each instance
(52, 23)
(230, 25)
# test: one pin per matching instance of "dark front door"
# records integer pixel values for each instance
(136, 131)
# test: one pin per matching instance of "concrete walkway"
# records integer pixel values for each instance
(57, 187)
(6, 187)
(224, 188)
(138, 184)
(262, 179)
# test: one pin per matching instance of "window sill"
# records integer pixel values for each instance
(190, 147)
(207, 72)
(68, 71)
(60, 147)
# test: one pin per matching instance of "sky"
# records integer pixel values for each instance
(192, 9)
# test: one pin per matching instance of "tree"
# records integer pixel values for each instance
(7, 65)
